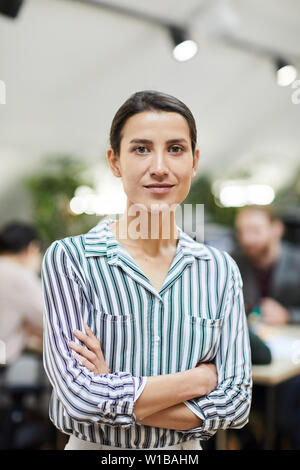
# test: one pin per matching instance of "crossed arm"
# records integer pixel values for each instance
(161, 401)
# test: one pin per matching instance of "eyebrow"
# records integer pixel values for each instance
(147, 141)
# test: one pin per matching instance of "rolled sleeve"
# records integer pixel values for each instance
(228, 406)
(85, 396)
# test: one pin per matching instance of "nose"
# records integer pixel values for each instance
(158, 164)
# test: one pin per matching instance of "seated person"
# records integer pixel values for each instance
(21, 297)
(270, 268)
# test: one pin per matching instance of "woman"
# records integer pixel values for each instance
(146, 343)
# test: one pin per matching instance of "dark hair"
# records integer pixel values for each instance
(16, 236)
(149, 100)
(269, 211)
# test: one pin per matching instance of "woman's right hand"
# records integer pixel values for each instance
(208, 377)
(90, 356)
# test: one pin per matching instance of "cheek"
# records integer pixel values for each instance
(183, 188)
(132, 185)
(185, 180)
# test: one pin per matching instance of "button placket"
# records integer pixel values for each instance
(156, 334)
(151, 325)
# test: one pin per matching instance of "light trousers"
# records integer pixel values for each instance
(78, 444)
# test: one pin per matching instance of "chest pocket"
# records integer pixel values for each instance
(117, 336)
(201, 338)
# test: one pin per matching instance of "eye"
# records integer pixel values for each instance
(141, 149)
(176, 149)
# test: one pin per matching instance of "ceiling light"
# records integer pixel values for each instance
(238, 195)
(286, 73)
(184, 48)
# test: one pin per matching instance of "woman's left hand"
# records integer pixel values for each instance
(90, 356)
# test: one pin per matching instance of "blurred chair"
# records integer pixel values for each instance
(23, 390)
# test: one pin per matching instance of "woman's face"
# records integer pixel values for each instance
(155, 149)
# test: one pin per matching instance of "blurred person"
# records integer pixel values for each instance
(270, 267)
(21, 297)
(143, 348)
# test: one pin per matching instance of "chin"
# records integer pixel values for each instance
(253, 254)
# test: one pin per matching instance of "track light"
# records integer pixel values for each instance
(184, 48)
(10, 7)
(286, 73)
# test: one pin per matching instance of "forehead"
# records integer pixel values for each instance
(156, 125)
(252, 217)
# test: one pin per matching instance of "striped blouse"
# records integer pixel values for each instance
(198, 315)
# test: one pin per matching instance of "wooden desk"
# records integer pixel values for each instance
(280, 370)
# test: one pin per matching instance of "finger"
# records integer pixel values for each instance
(89, 331)
(91, 335)
(89, 365)
(92, 344)
(96, 342)
(83, 351)
(104, 369)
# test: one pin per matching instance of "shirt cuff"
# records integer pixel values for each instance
(200, 415)
(212, 419)
(140, 383)
(120, 412)
(139, 389)
(208, 427)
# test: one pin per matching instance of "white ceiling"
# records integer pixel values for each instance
(68, 67)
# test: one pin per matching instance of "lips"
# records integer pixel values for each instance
(159, 188)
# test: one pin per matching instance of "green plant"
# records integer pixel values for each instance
(288, 197)
(201, 193)
(51, 190)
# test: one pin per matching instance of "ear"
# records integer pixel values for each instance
(114, 162)
(278, 228)
(195, 162)
(32, 248)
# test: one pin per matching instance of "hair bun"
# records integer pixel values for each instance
(4, 244)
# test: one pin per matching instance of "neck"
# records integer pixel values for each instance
(151, 233)
(16, 258)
